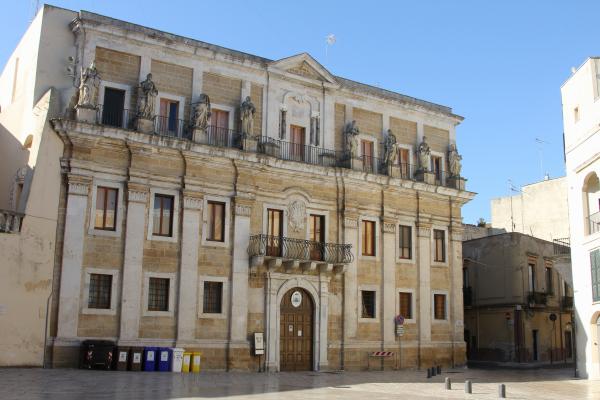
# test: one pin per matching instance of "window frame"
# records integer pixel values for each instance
(413, 318)
(114, 292)
(172, 294)
(446, 307)
(118, 86)
(224, 297)
(399, 248)
(368, 288)
(174, 98)
(226, 223)
(225, 108)
(176, 215)
(376, 239)
(92, 230)
(211, 217)
(434, 261)
(106, 189)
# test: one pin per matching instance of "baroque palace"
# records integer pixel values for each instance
(204, 195)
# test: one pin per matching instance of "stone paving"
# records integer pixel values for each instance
(67, 384)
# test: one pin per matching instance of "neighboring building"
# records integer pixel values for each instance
(285, 216)
(581, 116)
(518, 306)
(539, 210)
(476, 231)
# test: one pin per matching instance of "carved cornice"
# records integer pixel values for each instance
(192, 202)
(350, 223)
(137, 193)
(79, 185)
(424, 230)
(389, 227)
(243, 210)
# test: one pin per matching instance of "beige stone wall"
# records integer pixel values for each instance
(174, 79)
(369, 122)
(223, 90)
(340, 122)
(118, 67)
(438, 139)
(405, 131)
(256, 93)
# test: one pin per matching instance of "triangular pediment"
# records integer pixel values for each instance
(304, 66)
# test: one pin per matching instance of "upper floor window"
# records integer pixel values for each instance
(549, 281)
(169, 113)
(274, 232)
(436, 167)
(163, 215)
(531, 273)
(368, 238)
(106, 208)
(591, 203)
(595, 267)
(216, 221)
(439, 240)
(404, 161)
(367, 153)
(100, 291)
(113, 107)
(317, 236)
(405, 238)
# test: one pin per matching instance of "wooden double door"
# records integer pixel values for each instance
(296, 331)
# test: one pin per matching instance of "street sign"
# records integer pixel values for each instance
(399, 330)
(399, 319)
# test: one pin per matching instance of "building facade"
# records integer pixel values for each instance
(581, 116)
(518, 304)
(206, 195)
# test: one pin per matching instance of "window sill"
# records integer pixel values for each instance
(99, 311)
(405, 261)
(439, 264)
(215, 244)
(212, 316)
(157, 238)
(158, 313)
(105, 233)
(368, 320)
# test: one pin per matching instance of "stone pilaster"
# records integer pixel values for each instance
(424, 268)
(350, 278)
(188, 271)
(323, 319)
(70, 277)
(456, 284)
(388, 298)
(131, 297)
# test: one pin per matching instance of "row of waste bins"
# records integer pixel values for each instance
(101, 354)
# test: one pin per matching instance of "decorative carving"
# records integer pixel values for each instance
(147, 93)
(243, 210)
(17, 186)
(351, 133)
(391, 149)
(247, 112)
(201, 113)
(79, 188)
(454, 161)
(88, 87)
(299, 98)
(389, 227)
(424, 153)
(192, 203)
(424, 231)
(137, 196)
(297, 215)
(351, 223)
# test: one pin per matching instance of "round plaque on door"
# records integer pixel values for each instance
(296, 299)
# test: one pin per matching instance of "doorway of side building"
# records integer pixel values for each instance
(535, 344)
(296, 331)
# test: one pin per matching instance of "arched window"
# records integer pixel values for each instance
(591, 203)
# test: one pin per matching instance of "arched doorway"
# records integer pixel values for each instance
(296, 331)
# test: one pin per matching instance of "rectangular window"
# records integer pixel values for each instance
(317, 236)
(106, 208)
(213, 298)
(216, 221)
(297, 139)
(274, 232)
(113, 107)
(368, 304)
(367, 153)
(169, 113)
(100, 291)
(531, 270)
(405, 239)
(163, 215)
(440, 245)
(404, 160)
(158, 294)
(368, 238)
(595, 267)
(549, 282)
(436, 167)
(219, 131)
(406, 305)
(439, 301)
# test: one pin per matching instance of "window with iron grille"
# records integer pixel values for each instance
(439, 301)
(405, 242)
(106, 208)
(163, 215)
(595, 267)
(158, 294)
(406, 304)
(440, 245)
(216, 221)
(213, 298)
(368, 304)
(100, 291)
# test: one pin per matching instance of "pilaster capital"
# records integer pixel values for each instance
(192, 201)
(389, 227)
(137, 193)
(243, 210)
(424, 230)
(79, 185)
(351, 222)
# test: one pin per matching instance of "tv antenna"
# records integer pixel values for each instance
(512, 189)
(330, 40)
(540, 145)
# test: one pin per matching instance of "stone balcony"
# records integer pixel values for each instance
(297, 255)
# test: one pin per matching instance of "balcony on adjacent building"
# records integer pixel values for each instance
(297, 254)
(562, 247)
(10, 221)
(537, 298)
(467, 296)
(594, 223)
(567, 302)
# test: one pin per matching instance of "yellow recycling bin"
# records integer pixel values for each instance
(196, 355)
(187, 359)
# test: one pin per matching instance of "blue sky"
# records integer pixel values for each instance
(499, 64)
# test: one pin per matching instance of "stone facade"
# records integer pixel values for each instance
(301, 178)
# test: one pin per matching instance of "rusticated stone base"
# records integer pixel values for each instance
(251, 144)
(424, 176)
(145, 125)
(86, 114)
(457, 183)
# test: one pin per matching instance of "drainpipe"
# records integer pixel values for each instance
(46, 329)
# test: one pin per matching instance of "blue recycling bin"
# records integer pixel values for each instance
(150, 354)
(165, 354)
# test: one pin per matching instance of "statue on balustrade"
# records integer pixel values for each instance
(247, 111)
(201, 113)
(424, 153)
(454, 161)
(88, 86)
(351, 134)
(147, 93)
(391, 149)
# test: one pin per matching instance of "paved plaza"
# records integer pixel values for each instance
(67, 384)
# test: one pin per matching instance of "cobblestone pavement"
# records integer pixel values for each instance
(68, 384)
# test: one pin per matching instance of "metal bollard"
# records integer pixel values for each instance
(468, 387)
(502, 391)
(428, 373)
(433, 371)
(439, 369)
(448, 383)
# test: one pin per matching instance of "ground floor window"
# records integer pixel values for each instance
(368, 304)
(100, 291)
(158, 294)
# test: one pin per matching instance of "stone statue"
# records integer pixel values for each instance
(201, 112)
(454, 161)
(424, 156)
(391, 149)
(352, 139)
(88, 86)
(247, 115)
(147, 93)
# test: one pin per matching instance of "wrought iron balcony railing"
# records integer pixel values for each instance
(10, 221)
(222, 137)
(118, 118)
(537, 298)
(467, 296)
(562, 246)
(173, 127)
(298, 152)
(567, 302)
(298, 249)
(594, 223)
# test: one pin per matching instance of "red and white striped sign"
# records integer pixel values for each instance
(382, 354)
